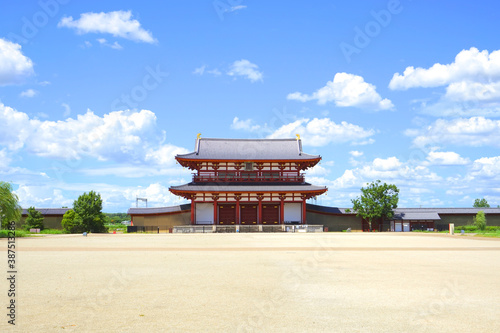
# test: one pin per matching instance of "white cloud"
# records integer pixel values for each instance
(473, 91)
(28, 93)
(389, 164)
(67, 110)
(454, 192)
(482, 179)
(203, 69)
(214, 72)
(104, 42)
(475, 131)
(317, 171)
(14, 127)
(445, 158)
(14, 66)
(235, 8)
(41, 196)
(347, 90)
(418, 181)
(164, 155)
(4, 159)
(472, 84)
(448, 108)
(414, 178)
(320, 132)
(245, 69)
(121, 136)
(245, 125)
(115, 197)
(486, 167)
(469, 66)
(200, 70)
(353, 160)
(140, 171)
(117, 23)
(86, 44)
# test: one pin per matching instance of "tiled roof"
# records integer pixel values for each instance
(402, 214)
(248, 188)
(248, 149)
(48, 211)
(450, 210)
(326, 209)
(158, 210)
(411, 213)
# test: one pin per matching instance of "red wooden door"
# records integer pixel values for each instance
(270, 213)
(248, 213)
(227, 214)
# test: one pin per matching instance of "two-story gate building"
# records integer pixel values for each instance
(248, 181)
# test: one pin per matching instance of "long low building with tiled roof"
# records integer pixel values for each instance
(335, 218)
(52, 217)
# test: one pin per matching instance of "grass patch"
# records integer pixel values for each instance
(118, 227)
(488, 233)
(18, 233)
(474, 229)
(52, 231)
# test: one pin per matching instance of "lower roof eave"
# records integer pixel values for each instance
(188, 191)
(249, 189)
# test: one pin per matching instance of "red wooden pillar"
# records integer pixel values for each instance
(237, 211)
(282, 210)
(304, 211)
(260, 211)
(215, 212)
(192, 211)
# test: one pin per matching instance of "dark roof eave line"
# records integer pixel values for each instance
(248, 191)
(312, 158)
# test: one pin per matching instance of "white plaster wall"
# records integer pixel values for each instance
(293, 212)
(204, 213)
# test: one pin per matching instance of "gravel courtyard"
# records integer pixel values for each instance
(323, 282)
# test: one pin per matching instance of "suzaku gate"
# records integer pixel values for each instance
(248, 181)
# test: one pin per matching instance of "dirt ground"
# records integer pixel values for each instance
(322, 282)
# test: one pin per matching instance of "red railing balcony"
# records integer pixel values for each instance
(248, 178)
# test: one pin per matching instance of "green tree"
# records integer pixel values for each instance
(88, 208)
(480, 220)
(376, 201)
(34, 220)
(72, 223)
(481, 203)
(9, 205)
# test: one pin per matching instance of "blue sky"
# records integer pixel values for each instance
(101, 95)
